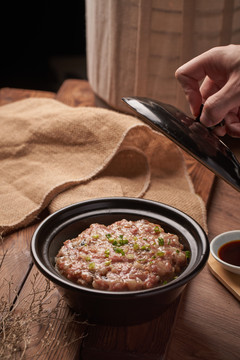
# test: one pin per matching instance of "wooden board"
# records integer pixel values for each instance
(229, 280)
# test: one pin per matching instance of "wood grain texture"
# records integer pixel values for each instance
(143, 342)
(62, 332)
(230, 280)
(8, 95)
(208, 312)
(207, 323)
(14, 256)
(76, 93)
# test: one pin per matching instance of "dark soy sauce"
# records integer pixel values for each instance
(230, 252)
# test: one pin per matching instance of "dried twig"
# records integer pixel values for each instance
(18, 326)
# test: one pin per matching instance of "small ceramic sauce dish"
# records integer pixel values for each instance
(225, 248)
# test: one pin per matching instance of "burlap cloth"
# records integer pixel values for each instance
(53, 155)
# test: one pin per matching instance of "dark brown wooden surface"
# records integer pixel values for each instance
(203, 324)
(8, 95)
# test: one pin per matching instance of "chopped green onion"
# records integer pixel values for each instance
(96, 236)
(165, 282)
(119, 250)
(177, 251)
(87, 258)
(187, 253)
(160, 241)
(107, 253)
(107, 263)
(122, 242)
(145, 247)
(109, 237)
(91, 266)
(135, 247)
(121, 237)
(135, 238)
(160, 253)
(156, 229)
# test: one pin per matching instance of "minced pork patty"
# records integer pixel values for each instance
(126, 255)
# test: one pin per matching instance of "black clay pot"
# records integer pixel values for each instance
(117, 308)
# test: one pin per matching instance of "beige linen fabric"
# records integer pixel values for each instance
(135, 46)
(52, 155)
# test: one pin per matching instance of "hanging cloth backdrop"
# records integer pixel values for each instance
(135, 46)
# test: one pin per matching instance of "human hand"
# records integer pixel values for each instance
(219, 68)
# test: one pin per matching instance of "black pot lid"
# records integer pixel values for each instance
(193, 137)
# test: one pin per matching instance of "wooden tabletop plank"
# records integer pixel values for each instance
(208, 311)
(146, 341)
(76, 93)
(49, 320)
(8, 95)
(15, 256)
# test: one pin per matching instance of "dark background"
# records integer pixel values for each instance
(42, 43)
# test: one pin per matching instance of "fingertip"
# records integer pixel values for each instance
(178, 71)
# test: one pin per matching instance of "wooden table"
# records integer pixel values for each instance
(202, 324)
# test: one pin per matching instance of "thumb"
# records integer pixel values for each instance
(218, 105)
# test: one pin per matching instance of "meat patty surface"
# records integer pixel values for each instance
(126, 255)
